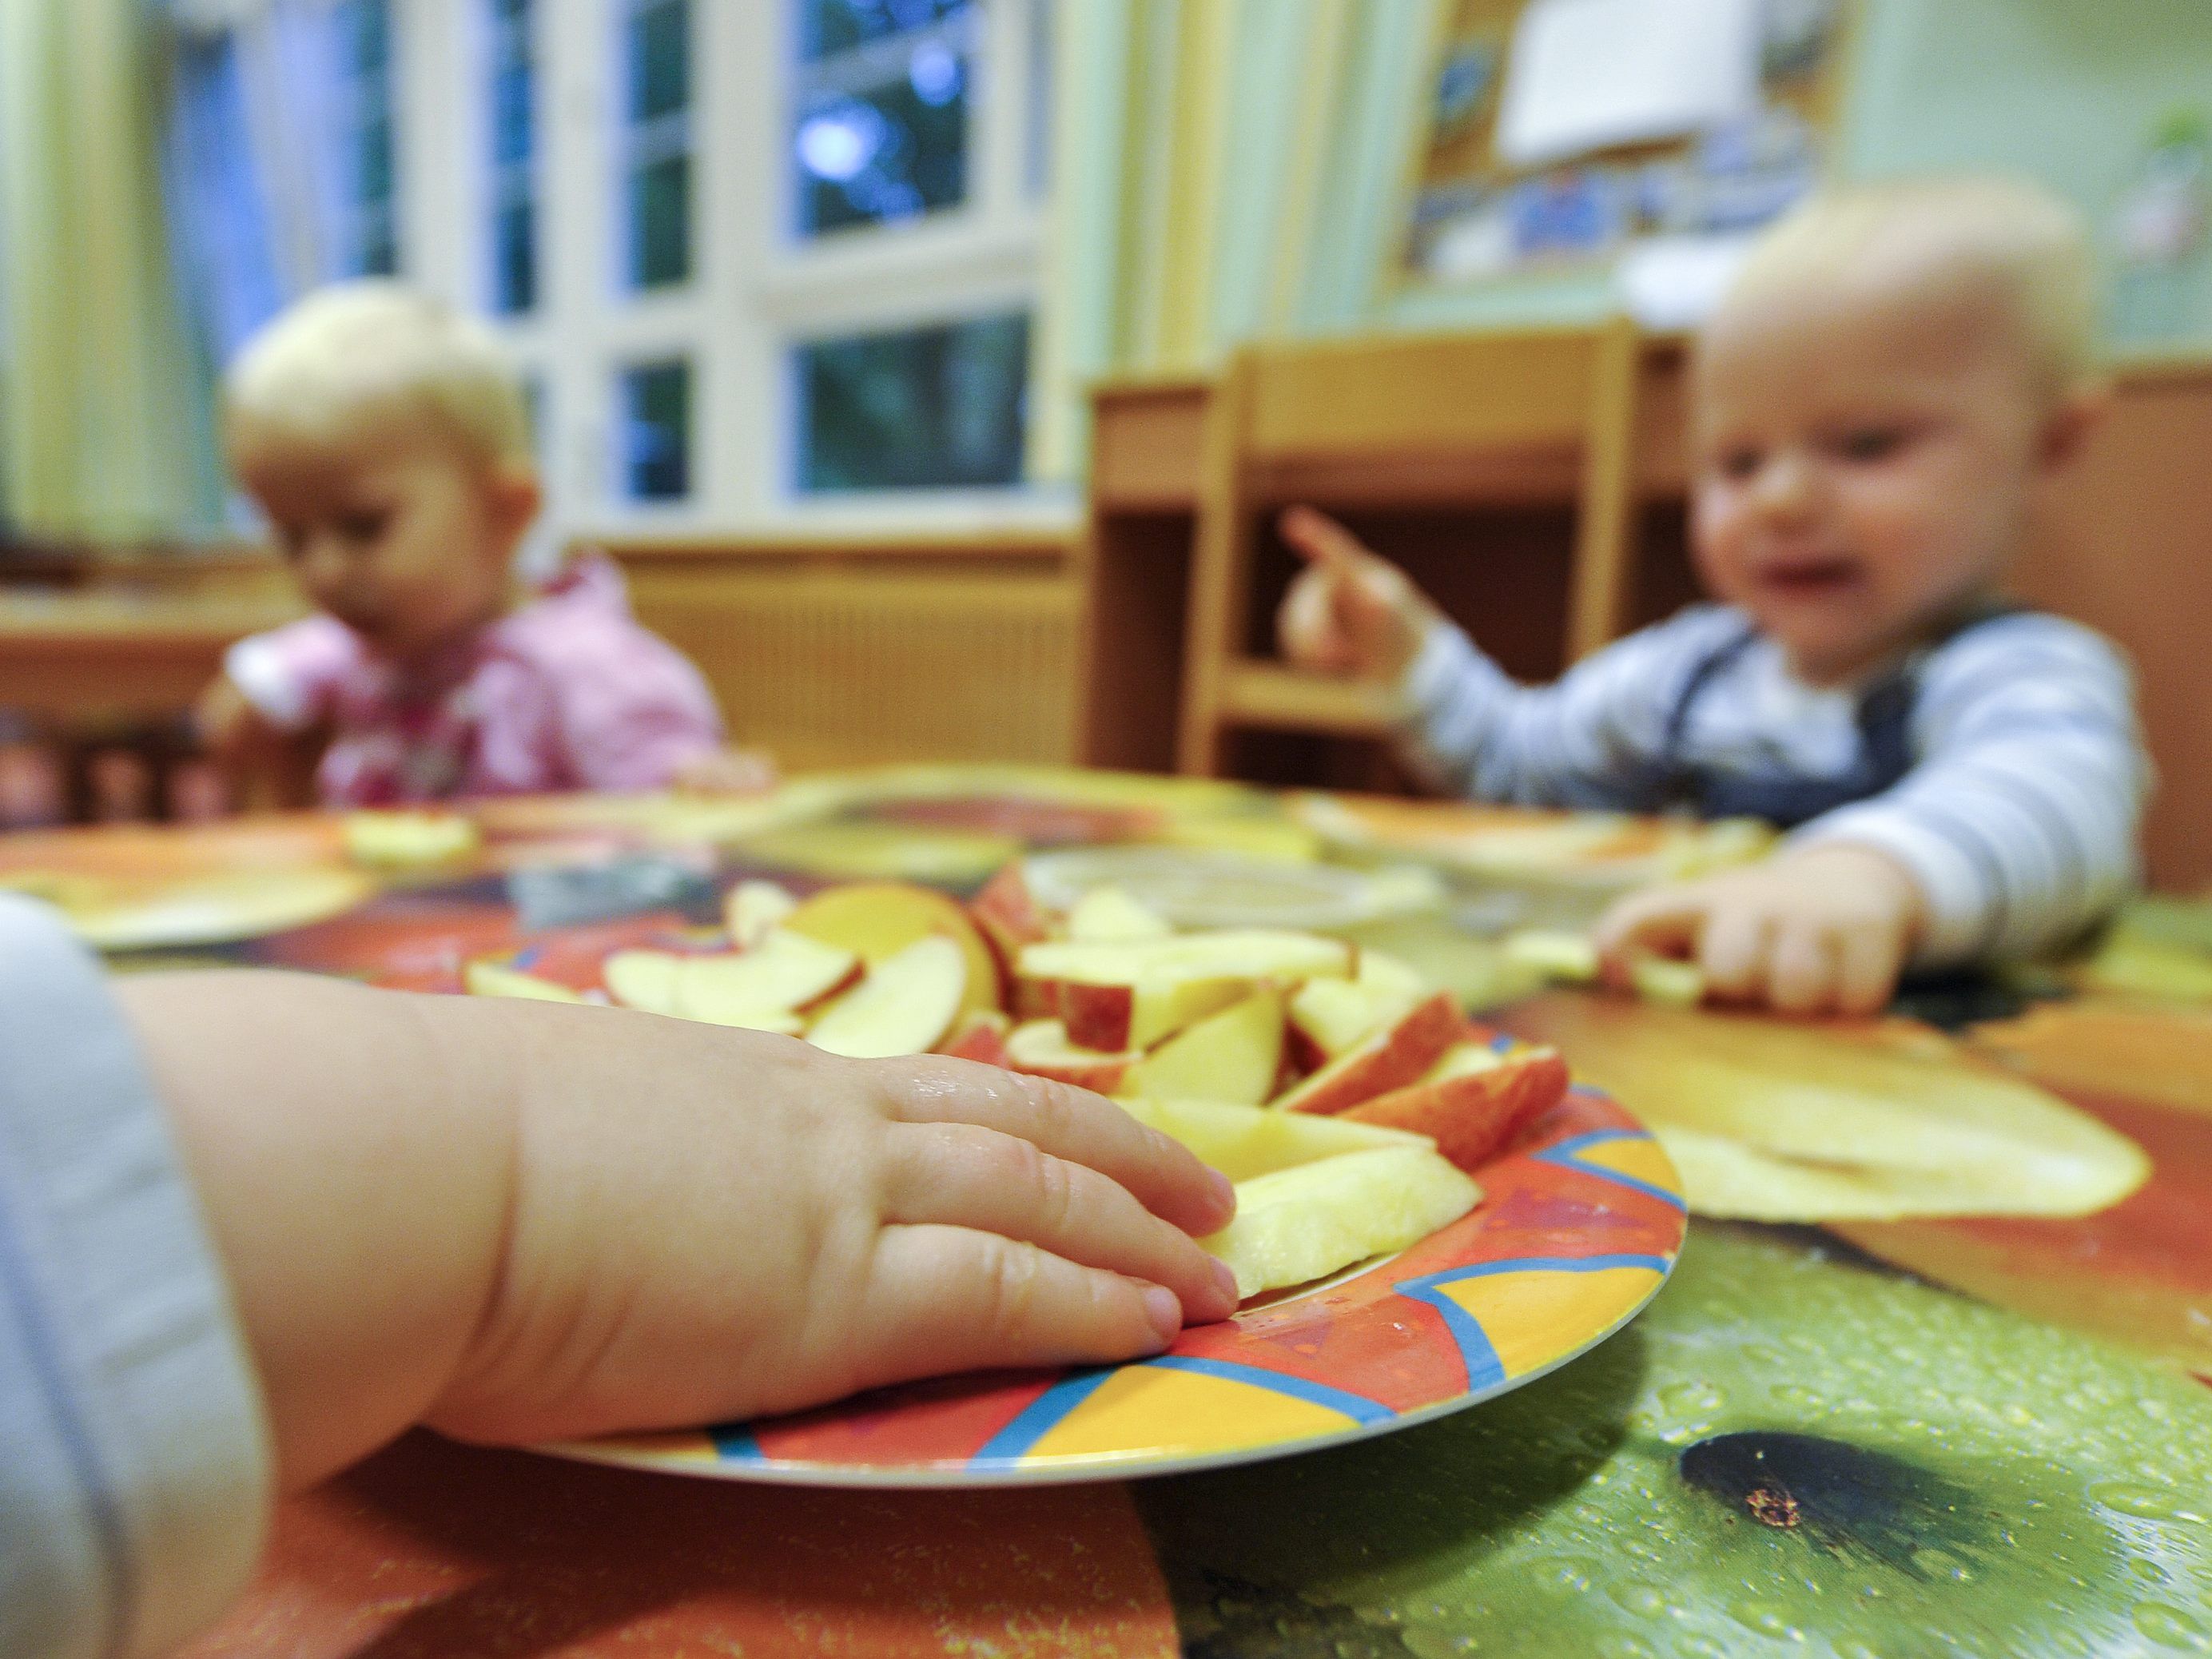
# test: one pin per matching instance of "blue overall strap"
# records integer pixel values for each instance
(1673, 782)
(1885, 727)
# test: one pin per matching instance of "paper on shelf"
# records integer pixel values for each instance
(1586, 75)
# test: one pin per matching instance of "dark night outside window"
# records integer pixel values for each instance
(934, 407)
(657, 431)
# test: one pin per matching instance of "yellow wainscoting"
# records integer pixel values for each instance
(849, 653)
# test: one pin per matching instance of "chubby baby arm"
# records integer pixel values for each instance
(1825, 930)
(516, 1221)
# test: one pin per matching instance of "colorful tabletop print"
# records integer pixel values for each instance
(1796, 1450)
(1576, 1230)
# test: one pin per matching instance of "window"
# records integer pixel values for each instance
(656, 431)
(658, 139)
(514, 123)
(881, 123)
(368, 237)
(769, 260)
(917, 408)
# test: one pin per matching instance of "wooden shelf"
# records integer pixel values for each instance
(1266, 693)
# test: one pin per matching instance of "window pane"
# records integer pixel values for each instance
(889, 153)
(514, 260)
(828, 26)
(512, 91)
(657, 431)
(924, 408)
(660, 221)
(659, 58)
(364, 30)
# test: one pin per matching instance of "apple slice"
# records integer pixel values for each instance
(1561, 958)
(904, 1006)
(1243, 1141)
(1392, 1057)
(1107, 913)
(1040, 1048)
(760, 990)
(1234, 1056)
(981, 1037)
(406, 840)
(877, 920)
(1386, 977)
(751, 908)
(1472, 1115)
(1130, 994)
(1462, 1060)
(494, 979)
(643, 979)
(1328, 1016)
(1009, 913)
(1666, 981)
(1297, 1224)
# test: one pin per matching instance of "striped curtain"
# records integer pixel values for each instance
(101, 438)
(1223, 171)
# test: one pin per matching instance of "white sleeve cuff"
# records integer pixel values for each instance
(257, 667)
(135, 1465)
(1954, 894)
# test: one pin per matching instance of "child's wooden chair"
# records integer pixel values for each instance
(1548, 415)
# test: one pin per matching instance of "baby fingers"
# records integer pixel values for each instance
(957, 1175)
(952, 1299)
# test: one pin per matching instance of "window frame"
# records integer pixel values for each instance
(756, 290)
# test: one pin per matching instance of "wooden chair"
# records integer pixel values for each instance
(1535, 416)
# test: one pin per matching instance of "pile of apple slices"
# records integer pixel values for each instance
(1347, 1098)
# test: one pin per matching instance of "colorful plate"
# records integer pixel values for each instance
(1578, 1231)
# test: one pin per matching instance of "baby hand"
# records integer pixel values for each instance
(1348, 611)
(715, 1224)
(520, 1220)
(1825, 930)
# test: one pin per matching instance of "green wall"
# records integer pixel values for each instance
(2069, 91)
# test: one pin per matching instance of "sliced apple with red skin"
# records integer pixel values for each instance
(751, 908)
(1327, 1017)
(1040, 1048)
(1392, 1057)
(1132, 993)
(981, 1037)
(495, 979)
(1243, 1141)
(1105, 914)
(1472, 1116)
(1233, 1056)
(877, 919)
(763, 988)
(905, 1006)
(1009, 914)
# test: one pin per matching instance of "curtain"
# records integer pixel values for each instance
(97, 408)
(1223, 171)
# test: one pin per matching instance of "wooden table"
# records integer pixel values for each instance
(1798, 1449)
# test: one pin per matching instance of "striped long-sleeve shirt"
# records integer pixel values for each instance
(2017, 817)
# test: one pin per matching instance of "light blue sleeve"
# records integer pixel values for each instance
(134, 1460)
(1588, 740)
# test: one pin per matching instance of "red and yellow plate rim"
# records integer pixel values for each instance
(1579, 1228)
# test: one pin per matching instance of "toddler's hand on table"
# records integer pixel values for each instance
(520, 1220)
(1349, 611)
(716, 1223)
(1825, 930)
